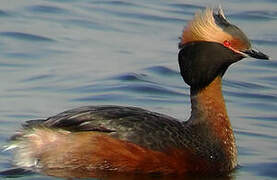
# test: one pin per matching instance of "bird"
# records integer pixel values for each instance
(93, 140)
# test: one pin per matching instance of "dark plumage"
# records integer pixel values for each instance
(148, 129)
(196, 70)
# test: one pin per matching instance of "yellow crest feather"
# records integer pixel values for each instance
(204, 28)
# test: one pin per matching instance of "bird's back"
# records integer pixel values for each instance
(142, 127)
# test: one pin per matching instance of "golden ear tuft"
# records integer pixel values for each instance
(204, 28)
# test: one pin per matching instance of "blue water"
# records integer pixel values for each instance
(56, 55)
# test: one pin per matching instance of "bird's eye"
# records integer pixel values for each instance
(227, 43)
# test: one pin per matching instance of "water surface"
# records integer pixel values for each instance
(56, 55)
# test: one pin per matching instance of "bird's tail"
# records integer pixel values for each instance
(30, 144)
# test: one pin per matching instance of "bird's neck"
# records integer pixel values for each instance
(208, 104)
(208, 110)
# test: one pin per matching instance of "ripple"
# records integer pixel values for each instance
(144, 88)
(162, 70)
(44, 88)
(150, 17)
(90, 24)
(116, 3)
(149, 89)
(111, 97)
(246, 151)
(3, 13)
(252, 134)
(242, 84)
(252, 95)
(263, 105)
(131, 77)
(256, 15)
(269, 80)
(46, 9)
(259, 66)
(21, 55)
(38, 78)
(266, 169)
(123, 98)
(22, 116)
(10, 65)
(264, 42)
(3, 137)
(271, 64)
(184, 6)
(64, 1)
(140, 16)
(271, 119)
(184, 9)
(25, 36)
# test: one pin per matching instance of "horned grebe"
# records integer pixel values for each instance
(91, 140)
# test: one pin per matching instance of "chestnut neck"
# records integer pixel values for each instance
(208, 103)
(208, 109)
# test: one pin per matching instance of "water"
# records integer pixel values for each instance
(56, 55)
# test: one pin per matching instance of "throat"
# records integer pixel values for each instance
(208, 105)
(209, 113)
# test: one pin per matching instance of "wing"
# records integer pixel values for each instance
(136, 125)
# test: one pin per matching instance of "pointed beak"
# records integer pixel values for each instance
(255, 54)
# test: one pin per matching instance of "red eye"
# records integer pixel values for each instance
(227, 43)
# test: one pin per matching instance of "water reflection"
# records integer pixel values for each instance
(69, 174)
(113, 176)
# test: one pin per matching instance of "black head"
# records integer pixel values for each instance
(201, 62)
(209, 45)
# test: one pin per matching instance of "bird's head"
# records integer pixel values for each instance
(209, 44)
